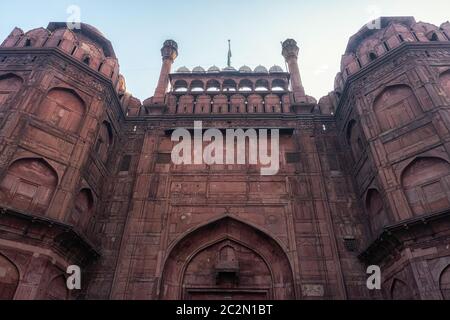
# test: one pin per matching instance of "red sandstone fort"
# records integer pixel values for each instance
(86, 176)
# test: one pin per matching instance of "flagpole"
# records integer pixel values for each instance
(229, 53)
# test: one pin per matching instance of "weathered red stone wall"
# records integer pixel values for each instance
(306, 209)
(53, 159)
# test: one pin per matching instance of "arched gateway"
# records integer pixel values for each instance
(227, 259)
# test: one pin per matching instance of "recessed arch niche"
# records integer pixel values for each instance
(426, 182)
(396, 106)
(227, 259)
(29, 185)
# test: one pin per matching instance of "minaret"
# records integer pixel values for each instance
(169, 53)
(290, 53)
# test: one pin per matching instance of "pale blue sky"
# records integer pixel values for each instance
(137, 30)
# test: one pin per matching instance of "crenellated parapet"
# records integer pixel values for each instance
(370, 44)
(86, 44)
(373, 42)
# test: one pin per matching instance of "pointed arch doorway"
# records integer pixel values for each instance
(227, 259)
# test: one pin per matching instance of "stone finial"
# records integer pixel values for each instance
(290, 49)
(169, 50)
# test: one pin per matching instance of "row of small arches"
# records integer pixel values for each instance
(229, 85)
(243, 69)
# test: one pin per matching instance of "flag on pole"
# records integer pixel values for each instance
(229, 53)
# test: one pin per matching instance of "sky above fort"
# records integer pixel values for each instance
(202, 28)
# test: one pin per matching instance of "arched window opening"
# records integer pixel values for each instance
(245, 85)
(372, 56)
(229, 85)
(213, 86)
(197, 86)
(262, 85)
(434, 37)
(180, 86)
(29, 185)
(62, 108)
(425, 182)
(27, 43)
(87, 60)
(278, 85)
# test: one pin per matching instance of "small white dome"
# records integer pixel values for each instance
(260, 69)
(183, 70)
(214, 69)
(245, 69)
(198, 69)
(275, 69)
